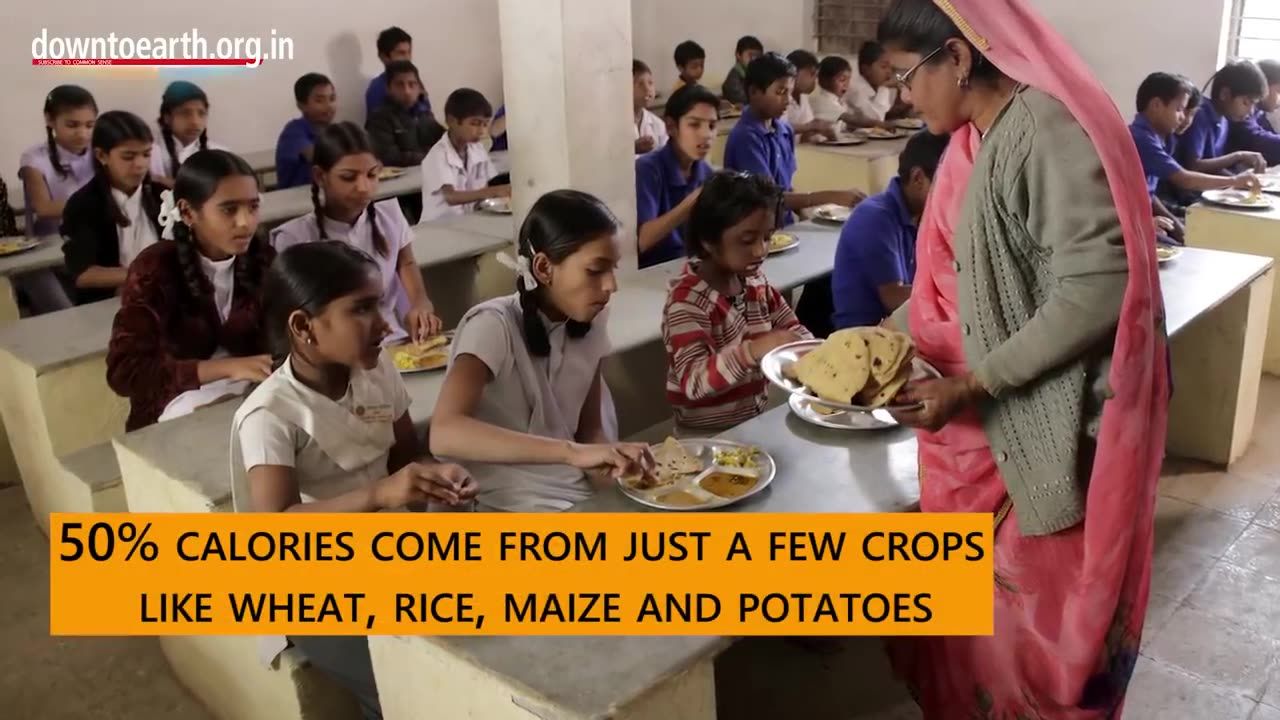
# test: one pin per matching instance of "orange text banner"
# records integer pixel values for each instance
(515, 574)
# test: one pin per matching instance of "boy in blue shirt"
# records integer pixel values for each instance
(394, 45)
(691, 61)
(318, 102)
(1162, 106)
(1258, 132)
(1235, 92)
(876, 256)
(764, 144)
(734, 88)
(669, 180)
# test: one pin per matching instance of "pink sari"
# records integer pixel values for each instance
(1069, 607)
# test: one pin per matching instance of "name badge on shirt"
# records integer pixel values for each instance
(374, 413)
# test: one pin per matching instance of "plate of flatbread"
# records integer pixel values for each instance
(431, 354)
(835, 214)
(842, 140)
(909, 123)
(856, 370)
(1238, 199)
(883, 134)
(701, 474)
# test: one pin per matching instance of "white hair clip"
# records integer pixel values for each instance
(523, 269)
(169, 214)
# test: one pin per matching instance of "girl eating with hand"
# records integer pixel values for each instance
(524, 403)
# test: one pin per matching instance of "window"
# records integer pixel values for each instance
(841, 26)
(1255, 29)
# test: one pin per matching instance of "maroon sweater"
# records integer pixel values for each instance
(161, 333)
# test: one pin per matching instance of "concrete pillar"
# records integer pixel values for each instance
(566, 67)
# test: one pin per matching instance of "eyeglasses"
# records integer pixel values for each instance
(904, 78)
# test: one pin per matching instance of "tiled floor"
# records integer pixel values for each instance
(1211, 646)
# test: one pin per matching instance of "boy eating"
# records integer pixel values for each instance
(828, 100)
(734, 88)
(401, 131)
(650, 131)
(872, 96)
(762, 143)
(1235, 92)
(394, 45)
(800, 113)
(668, 181)
(317, 102)
(691, 61)
(1258, 132)
(456, 172)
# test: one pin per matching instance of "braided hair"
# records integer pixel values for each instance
(197, 181)
(336, 141)
(308, 277)
(61, 99)
(114, 128)
(557, 226)
(177, 94)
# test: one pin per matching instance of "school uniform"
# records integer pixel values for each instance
(499, 142)
(660, 186)
(376, 94)
(292, 168)
(333, 447)
(768, 151)
(161, 334)
(162, 161)
(79, 171)
(877, 247)
(651, 125)
(800, 112)
(1206, 139)
(1155, 151)
(734, 88)
(868, 103)
(395, 230)
(826, 105)
(1255, 134)
(402, 136)
(712, 382)
(541, 396)
(94, 239)
(444, 166)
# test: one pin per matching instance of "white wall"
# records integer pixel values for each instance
(248, 105)
(1126, 40)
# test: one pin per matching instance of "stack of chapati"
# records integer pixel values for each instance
(864, 366)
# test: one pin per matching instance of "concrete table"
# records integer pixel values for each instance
(867, 167)
(1243, 231)
(481, 223)
(263, 163)
(281, 205)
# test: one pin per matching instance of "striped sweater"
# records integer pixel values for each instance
(712, 382)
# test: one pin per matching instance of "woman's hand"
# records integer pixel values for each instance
(940, 399)
(616, 459)
(422, 323)
(417, 483)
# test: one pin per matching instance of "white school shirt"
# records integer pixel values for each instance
(800, 112)
(141, 233)
(531, 395)
(868, 103)
(221, 275)
(333, 447)
(652, 126)
(394, 228)
(161, 165)
(443, 166)
(826, 105)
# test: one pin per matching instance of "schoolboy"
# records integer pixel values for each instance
(1235, 92)
(1258, 131)
(457, 171)
(651, 132)
(317, 102)
(402, 134)
(393, 45)
(800, 112)
(734, 88)
(691, 61)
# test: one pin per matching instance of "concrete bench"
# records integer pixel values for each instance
(91, 479)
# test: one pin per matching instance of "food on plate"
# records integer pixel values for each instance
(824, 410)
(498, 205)
(882, 133)
(12, 246)
(1164, 253)
(728, 485)
(738, 457)
(430, 354)
(866, 366)
(910, 123)
(838, 213)
(781, 241)
(387, 173)
(679, 498)
(673, 463)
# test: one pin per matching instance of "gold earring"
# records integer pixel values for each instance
(963, 82)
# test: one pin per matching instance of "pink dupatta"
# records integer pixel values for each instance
(1069, 606)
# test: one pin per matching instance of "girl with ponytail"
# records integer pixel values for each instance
(62, 163)
(524, 406)
(189, 330)
(183, 122)
(113, 218)
(344, 180)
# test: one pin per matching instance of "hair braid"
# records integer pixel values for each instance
(318, 207)
(63, 171)
(167, 134)
(379, 242)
